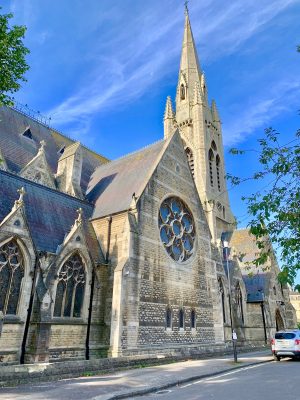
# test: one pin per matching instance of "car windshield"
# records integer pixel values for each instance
(285, 335)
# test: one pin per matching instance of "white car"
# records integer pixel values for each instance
(286, 344)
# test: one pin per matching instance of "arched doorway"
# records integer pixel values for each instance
(279, 321)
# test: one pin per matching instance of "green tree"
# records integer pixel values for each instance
(275, 210)
(12, 58)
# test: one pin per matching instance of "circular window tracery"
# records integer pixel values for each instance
(177, 229)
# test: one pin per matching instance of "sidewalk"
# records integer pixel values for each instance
(130, 383)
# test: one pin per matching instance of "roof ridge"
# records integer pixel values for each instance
(132, 153)
(33, 183)
(48, 126)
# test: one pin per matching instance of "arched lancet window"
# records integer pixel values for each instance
(70, 288)
(182, 92)
(193, 319)
(169, 318)
(239, 302)
(211, 159)
(222, 294)
(190, 158)
(181, 318)
(218, 162)
(11, 275)
(213, 145)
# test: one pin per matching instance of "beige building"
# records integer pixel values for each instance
(295, 301)
(114, 258)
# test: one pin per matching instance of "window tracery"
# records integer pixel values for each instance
(239, 302)
(210, 160)
(11, 275)
(177, 229)
(70, 288)
(218, 162)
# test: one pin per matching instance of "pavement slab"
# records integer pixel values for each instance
(133, 382)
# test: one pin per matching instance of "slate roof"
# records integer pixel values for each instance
(50, 214)
(256, 280)
(18, 150)
(112, 185)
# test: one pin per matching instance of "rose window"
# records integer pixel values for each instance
(177, 229)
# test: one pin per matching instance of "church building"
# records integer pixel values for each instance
(103, 258)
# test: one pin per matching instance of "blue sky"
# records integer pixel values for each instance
(102, 70)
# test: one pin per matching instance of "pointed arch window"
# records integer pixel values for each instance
(211, 160)
(11, 275)
(182, 92)
(70, 288)
(193, 319)
(239, 303)
(181, 319)
(218, 162)
(169, 318)
(190, 157)
(222, 295)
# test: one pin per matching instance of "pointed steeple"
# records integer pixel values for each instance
(169, 114)
(168, 119)
(215, 112)
(190, 70)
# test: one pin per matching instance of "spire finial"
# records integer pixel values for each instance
(186, 10)
(20, 201)
(79, 218)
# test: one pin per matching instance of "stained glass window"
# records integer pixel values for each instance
(70, 288)
(177, 229)
(193, 319)
(11, 275)
(181, 318)
(222, 294)
(169, 318)
(239, 302)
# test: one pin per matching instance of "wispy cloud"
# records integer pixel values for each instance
(283, 98)
(137, 60)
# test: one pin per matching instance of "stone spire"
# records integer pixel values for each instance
(215, 112)
(190, 71)
(168, 119)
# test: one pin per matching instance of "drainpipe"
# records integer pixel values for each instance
(264, 320)
(29, 311)
(87, 341)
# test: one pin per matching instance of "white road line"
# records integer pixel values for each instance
(221, 375)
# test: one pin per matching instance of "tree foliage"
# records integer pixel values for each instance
(12, 58)
(275, 210)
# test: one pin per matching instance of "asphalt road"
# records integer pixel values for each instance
(271, 381)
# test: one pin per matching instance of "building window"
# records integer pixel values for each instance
(182, 92)
(181, 319)
(222, 294)
(70, 288)
(213, 146)
(211, 159)
(218, 172)
(190, 158)
(177, 229)
(11, 275)
(193, 319)
(169, 318)
(27, 133)
(239, 303)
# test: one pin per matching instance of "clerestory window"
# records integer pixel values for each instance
(11, 275)
(70, 288)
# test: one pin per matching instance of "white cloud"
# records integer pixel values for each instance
(134, 63)
(283, 98)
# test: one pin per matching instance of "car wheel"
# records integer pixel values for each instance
(276, 358)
